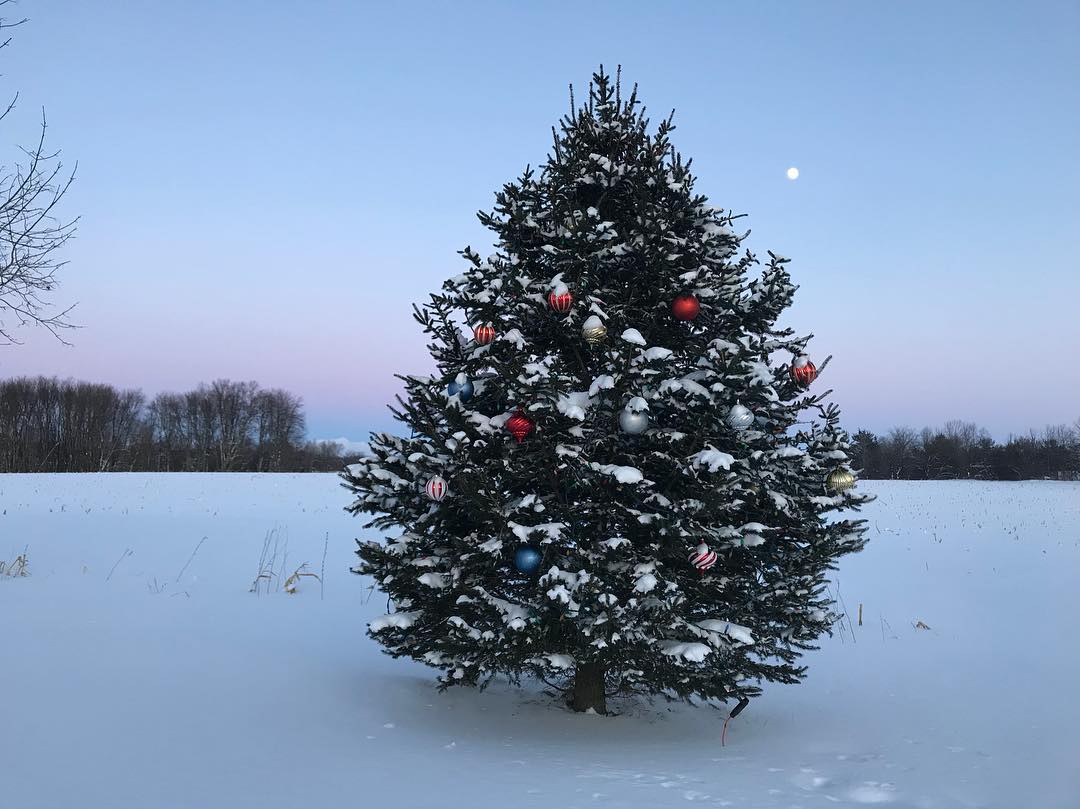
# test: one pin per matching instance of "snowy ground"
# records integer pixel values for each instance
(156, 688)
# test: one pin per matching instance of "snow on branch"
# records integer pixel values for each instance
(712, 458)
(623, 474)
(737, 633)
(398, 620)
(552, 530)
(574, 404)
(693, 652)
(436, 581)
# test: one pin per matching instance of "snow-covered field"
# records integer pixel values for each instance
(132, 675)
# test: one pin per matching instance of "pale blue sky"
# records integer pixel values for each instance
(266, 187)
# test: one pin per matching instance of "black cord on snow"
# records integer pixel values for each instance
(743, 702)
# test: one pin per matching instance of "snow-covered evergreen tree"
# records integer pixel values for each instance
(617, 516)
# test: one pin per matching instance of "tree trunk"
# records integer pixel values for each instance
(589, 688)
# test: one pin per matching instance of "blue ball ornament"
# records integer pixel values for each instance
(463, 391)
(527, 559)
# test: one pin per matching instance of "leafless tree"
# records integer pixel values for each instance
(121, 426)
(279, 428)
(53, 425)
(965, 433)
(49, 425)
(165, 418)
(232, 413)
(902, 442)
(31, 231)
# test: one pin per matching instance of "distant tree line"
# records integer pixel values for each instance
(54, 425)
(963, 450)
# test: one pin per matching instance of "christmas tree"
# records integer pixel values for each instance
(619, 482)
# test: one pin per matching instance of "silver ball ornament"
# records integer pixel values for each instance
(633, 423)
(739, 417)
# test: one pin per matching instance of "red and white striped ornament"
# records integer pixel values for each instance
(520, 426)
(484, 333)
(803, 371)
(702, 558)
(435, 488)
(560, 299)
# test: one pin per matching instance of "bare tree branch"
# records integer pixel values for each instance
(32, 233)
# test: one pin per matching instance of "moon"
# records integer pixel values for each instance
(793, 173)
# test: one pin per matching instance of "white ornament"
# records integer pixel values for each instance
(739, 417)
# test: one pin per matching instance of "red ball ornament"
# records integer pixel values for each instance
(685, 307)
(484, 333)
(520, 426)
(702, 558)
(803, 371)
(560, 301)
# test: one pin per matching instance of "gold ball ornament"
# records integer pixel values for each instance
(839, 481)
(593, 330)
(595, 335)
